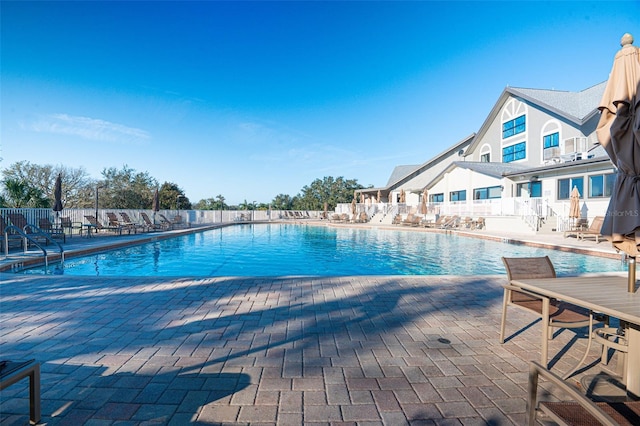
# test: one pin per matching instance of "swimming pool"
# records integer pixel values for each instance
(291, 249)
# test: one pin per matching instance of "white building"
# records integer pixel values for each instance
(522, 164)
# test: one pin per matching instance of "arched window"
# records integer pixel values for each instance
(550, 136)
(485, 153)
(514, 129)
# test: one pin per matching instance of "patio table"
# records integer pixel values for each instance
(608, 295)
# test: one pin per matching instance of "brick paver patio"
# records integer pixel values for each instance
(288, 351)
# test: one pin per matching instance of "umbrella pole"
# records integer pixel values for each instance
(631, 284)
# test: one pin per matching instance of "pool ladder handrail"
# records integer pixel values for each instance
(25, 235)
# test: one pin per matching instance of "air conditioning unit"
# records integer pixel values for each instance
(575, 148)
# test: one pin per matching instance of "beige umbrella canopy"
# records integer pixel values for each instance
(423, 205)
(574, 204)
(353, 207)
(619, 133)
(378, 198)
(403, 196)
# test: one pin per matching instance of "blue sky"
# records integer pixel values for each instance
(254, 99)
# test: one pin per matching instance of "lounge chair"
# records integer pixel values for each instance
(397, 220)
(560, 314)
(126, 220)
(165, 222)
(180, 223)
(466, 223)
(94, 223)
(153, 226)
(593, 231)
(582, 224)
(48, 227)
(67, 224)
(116, 223)
(408, 221)
(580, 410)
(334, 218)
(362, 218)
(35, 234)
(479, 223)
(451, 223)
(12, 239)
(416, 221)
(439, 222)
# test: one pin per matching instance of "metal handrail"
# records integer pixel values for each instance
(25, 235)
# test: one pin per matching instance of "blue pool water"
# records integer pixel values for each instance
(288, 249)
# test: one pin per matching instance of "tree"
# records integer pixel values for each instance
(168, 194)
(77, 186)
(245, 205)
(19, 193)
(126, 189)
(217, 203)
(328, 190)
(282, 202)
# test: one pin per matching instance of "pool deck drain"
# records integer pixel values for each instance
(365, 350)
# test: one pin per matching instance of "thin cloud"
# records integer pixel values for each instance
(89, 128)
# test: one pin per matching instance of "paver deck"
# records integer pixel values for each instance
(355, 350)
(378, 350)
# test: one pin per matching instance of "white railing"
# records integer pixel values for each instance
(531, 210)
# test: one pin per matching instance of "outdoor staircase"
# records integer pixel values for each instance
(381, 218)
(549, 225)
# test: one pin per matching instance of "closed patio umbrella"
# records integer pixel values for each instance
(378, 198)
(155, 205)
(57, 195)
(574, 204)
(403, 196)
(619, 133)
(423, 205)
(353, 207)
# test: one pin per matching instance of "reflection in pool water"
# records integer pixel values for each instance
(289, 249)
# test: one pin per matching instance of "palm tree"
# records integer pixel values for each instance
(19, 193)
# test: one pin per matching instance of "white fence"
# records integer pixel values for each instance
(195, 217)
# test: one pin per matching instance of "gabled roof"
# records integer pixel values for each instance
(399, 172)
(403, 173)
(575, 107)
(495, 170)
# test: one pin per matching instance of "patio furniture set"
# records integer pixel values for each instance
(579, 302)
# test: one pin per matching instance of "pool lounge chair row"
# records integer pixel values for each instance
(361, 217)
(126, 224)
(15, 227)
(295, 214)
(442, 222)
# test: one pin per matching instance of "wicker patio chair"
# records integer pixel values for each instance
(560, 314)
(580, 410)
